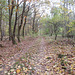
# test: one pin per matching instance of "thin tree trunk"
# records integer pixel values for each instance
(1, 23)
(9, 21)
(55, 31)
(19, 29)
(23, 32)
(18, 34)
(33, 23)
(55, 36)
(13, 36)
(10, 18)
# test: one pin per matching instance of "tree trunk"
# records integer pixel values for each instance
(18, 34)
(33, 25)
(9, 21)
(21, 20)
(23, 32)
(13, 36)
(55, 36)
(36, 28)
(55, 31)
(51, 33)
(33, 28)
(1, 23)
(10, 18)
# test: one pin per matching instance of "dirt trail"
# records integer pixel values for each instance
(42, 59)
(39, 58)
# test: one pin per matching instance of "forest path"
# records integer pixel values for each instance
(38, 58)
(41, 57)
(35, 56)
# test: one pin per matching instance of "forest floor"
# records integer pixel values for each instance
(38, 56)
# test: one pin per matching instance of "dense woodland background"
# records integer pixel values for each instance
(20, 18)
(37, 37)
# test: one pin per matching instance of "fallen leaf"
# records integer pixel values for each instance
(18, 71)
